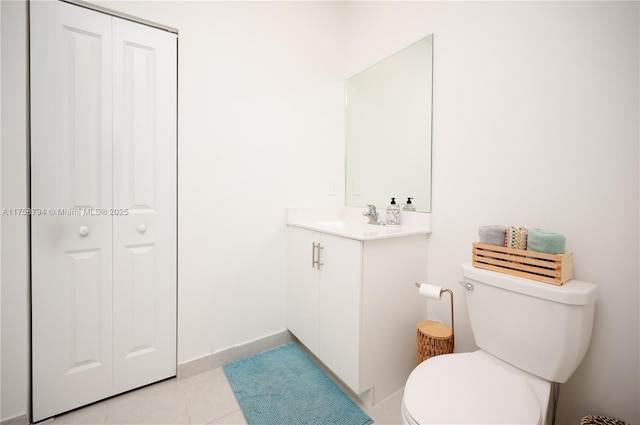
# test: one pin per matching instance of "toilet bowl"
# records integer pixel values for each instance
(529, 335)
(473, 388)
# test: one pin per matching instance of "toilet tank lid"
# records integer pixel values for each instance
(572, 292)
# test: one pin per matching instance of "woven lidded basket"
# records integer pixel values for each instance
(600, 420)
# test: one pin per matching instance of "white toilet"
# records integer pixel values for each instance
(530, 334)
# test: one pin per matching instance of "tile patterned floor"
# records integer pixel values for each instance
(203, 399)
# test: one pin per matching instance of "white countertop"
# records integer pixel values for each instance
(349, 222)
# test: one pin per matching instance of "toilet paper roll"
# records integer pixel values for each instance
(430, 291)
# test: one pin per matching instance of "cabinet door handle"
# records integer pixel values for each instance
(315, 255)
(319, 263)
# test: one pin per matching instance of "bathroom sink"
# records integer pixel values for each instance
(351, 224)
(338, 224)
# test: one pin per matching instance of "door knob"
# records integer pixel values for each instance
(142, 228)
(83, 231)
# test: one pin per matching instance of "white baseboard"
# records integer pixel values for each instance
(217, 359)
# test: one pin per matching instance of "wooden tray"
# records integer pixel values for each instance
(549, 268)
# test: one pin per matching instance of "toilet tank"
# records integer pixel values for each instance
(538, 327)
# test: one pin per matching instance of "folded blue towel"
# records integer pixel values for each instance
(492, 235)
(545, 241)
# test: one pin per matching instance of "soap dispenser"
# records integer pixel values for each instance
(393, 213)
(408, 206)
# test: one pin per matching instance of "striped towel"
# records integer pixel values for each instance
(516, 237)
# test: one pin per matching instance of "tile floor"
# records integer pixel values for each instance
(203, 399)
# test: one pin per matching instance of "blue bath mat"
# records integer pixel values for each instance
(283, 386)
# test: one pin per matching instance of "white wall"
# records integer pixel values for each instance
(550, 86)
(260, 101)
(13, 156)
(261, 124)
(535, 124)
(0, 222)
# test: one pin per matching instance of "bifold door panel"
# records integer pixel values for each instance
(103, 176)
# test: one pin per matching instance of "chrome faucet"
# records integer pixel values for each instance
(371, 214)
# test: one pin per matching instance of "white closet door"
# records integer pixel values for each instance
(144, 185)
(103, 158)
(70, 171)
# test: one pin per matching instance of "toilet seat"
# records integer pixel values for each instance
(469, 388)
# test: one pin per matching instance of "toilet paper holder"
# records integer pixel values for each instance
(418, 285)
(434, 338)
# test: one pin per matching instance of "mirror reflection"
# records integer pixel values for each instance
(388, 130)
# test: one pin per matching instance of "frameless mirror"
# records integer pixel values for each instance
(388, 130)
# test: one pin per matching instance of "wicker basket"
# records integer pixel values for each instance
(434, 338)
(549, 268)
(600, 420)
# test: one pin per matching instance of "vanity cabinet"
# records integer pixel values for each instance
(323, 298)
(357, 310)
